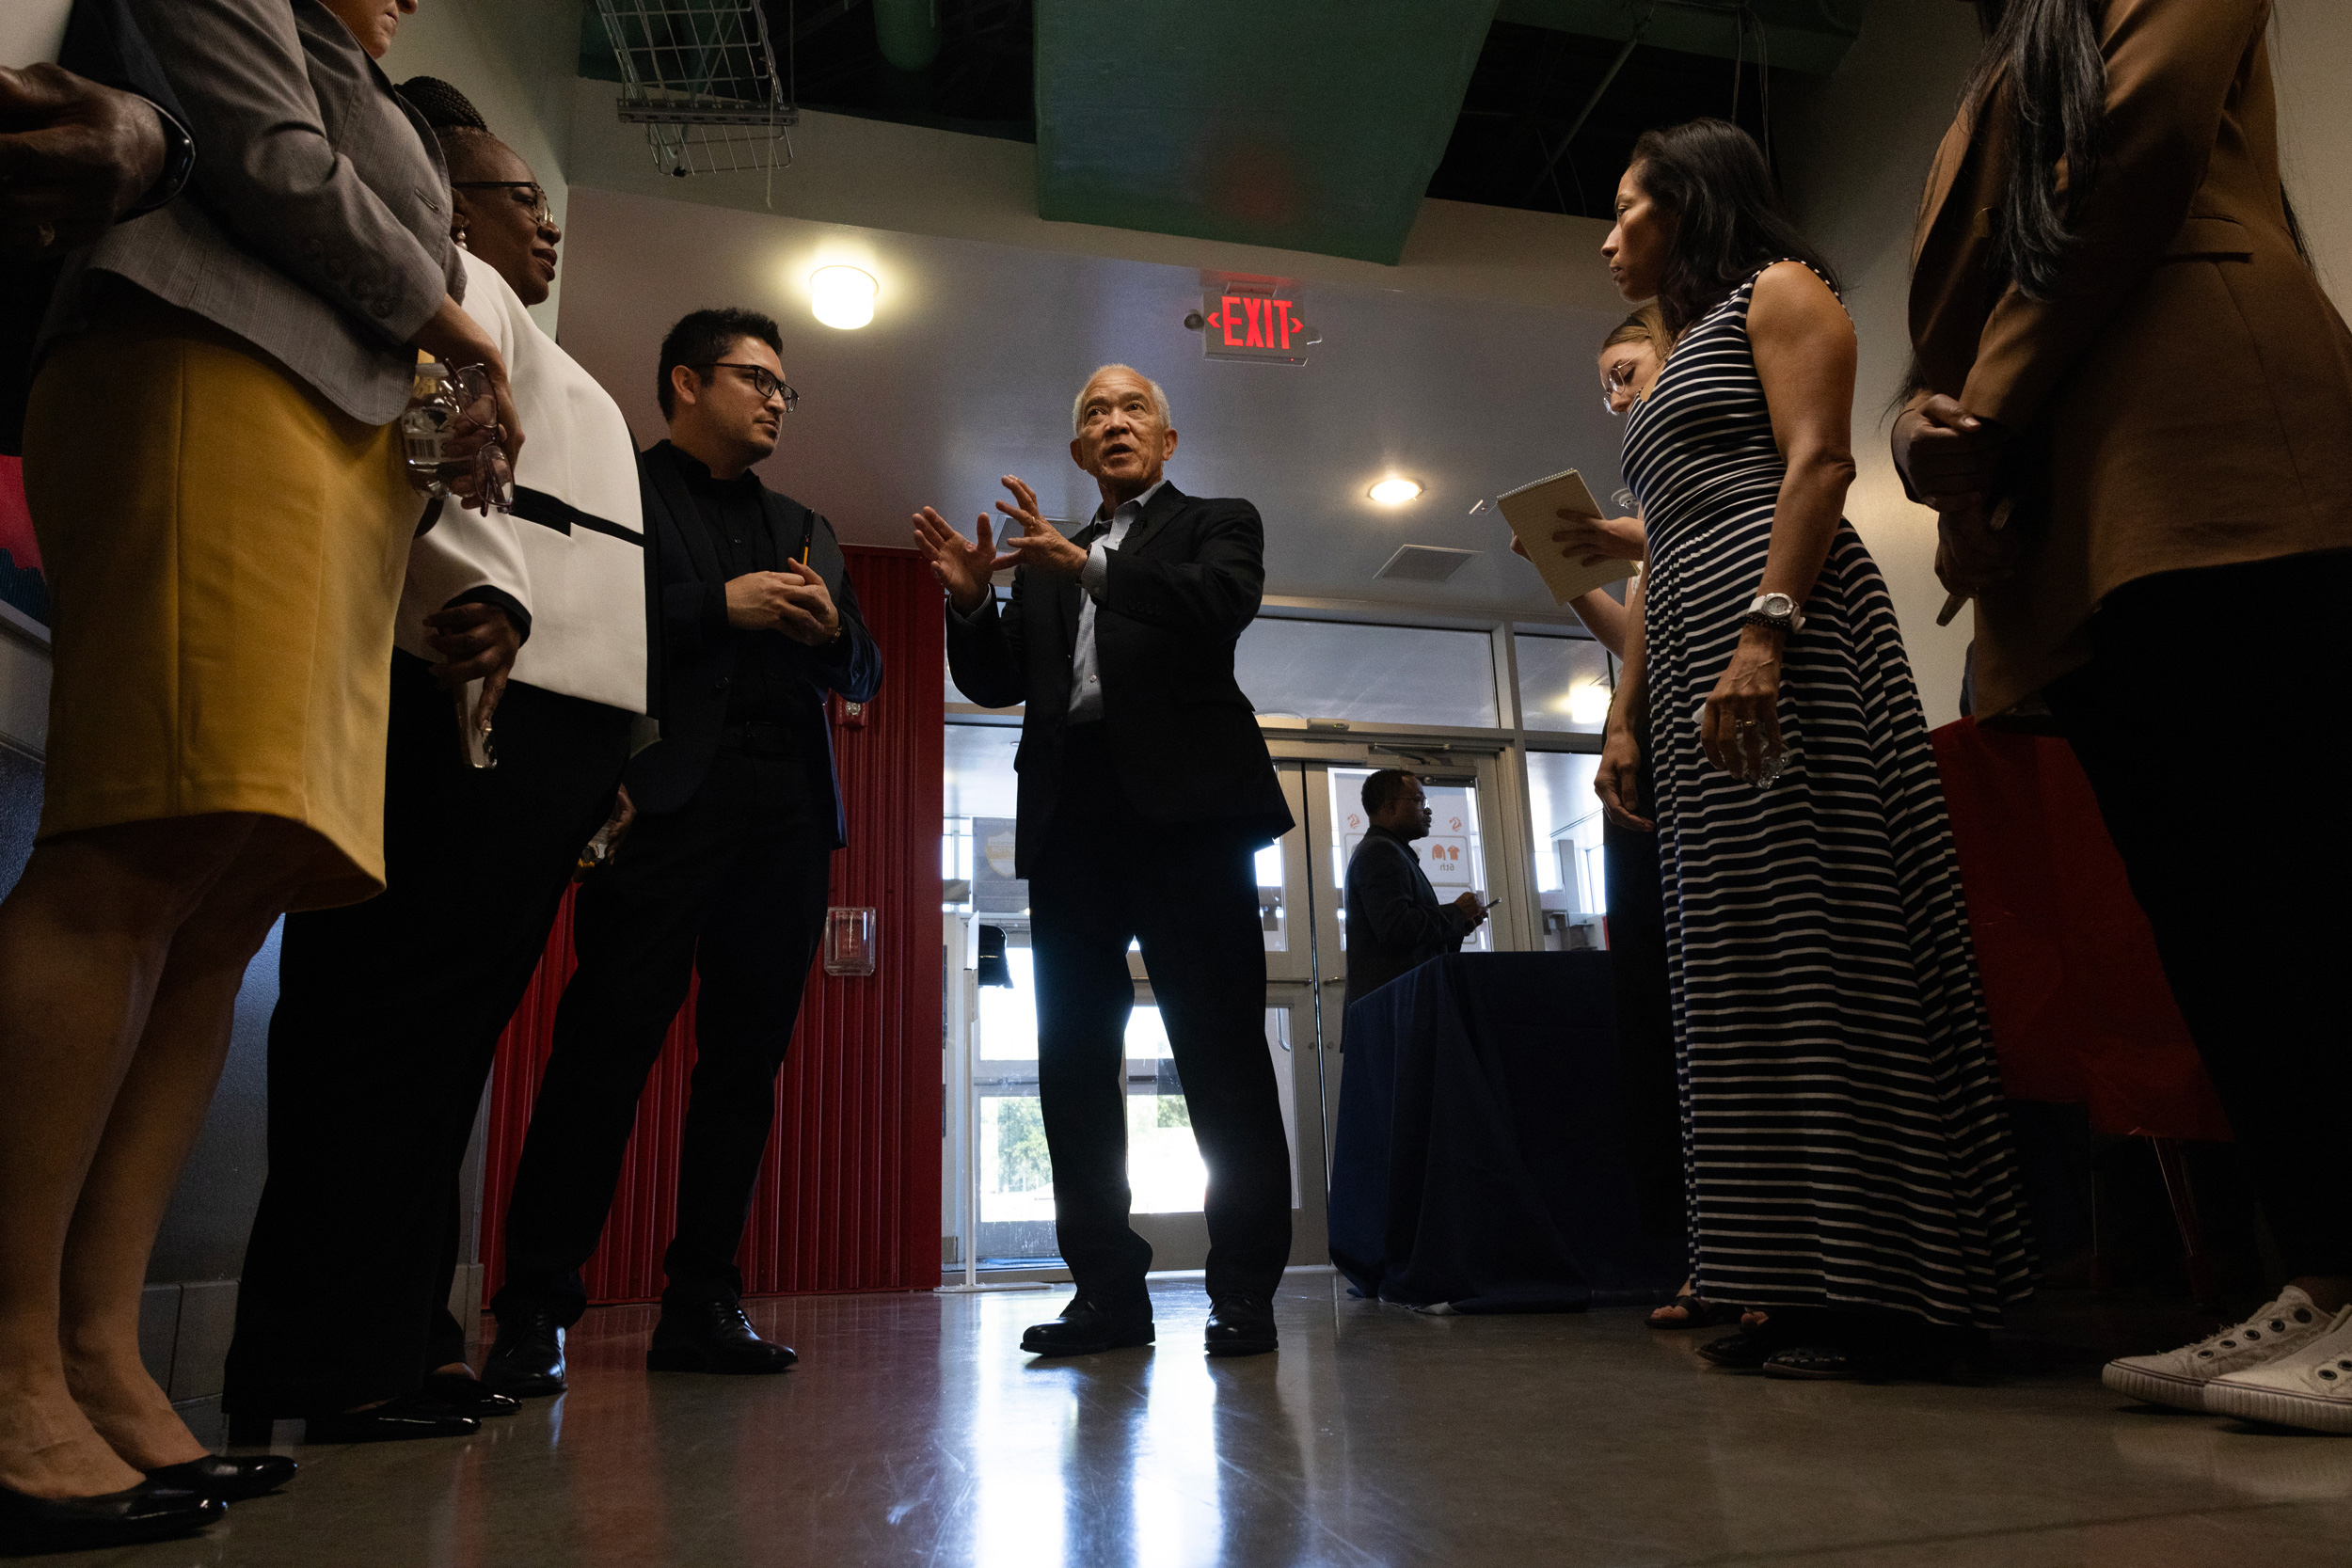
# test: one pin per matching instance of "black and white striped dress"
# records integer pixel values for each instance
(1842, 1126)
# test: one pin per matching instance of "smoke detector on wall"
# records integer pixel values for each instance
(1423, 564)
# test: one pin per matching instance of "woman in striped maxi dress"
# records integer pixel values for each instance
(1850, 1174)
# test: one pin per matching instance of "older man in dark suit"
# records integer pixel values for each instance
(1145, 790)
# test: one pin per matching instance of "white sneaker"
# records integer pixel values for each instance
(2311, 1389)
(2180, 1377)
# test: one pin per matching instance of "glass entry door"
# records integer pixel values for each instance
(1300, 881)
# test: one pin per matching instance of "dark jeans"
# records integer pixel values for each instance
(731, 887)
(388, 1013)
(1649, 1085)
(2211, 723)
(1189, 893)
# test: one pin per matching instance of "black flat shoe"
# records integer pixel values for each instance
(1084, 1329)
(1240, 1326)
(1738, 1352)
(462, 1394)
(231, 1480)
(713, 1336)
(398, 1421)
(527, 1359)
(1823, 1363)
(143, 1512)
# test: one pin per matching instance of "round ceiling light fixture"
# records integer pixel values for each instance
(1395, 492)
(842, 296)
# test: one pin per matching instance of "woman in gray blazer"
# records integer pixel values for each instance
(212, 460)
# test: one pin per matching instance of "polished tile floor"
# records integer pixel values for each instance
(915, 1433)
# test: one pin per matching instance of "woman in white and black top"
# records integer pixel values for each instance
(389, 1013)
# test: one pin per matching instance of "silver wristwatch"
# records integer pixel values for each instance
(1774, 612)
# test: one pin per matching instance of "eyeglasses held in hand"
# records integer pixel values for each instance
(526, 193)
(764, 381)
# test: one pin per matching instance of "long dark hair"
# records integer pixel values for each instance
(2048, 51)
(1709, 177)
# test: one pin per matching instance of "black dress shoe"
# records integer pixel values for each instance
(397, 1420)
(1240, 1326)
(527, 1359)
(462, 1394)
(712, 1337)
(231, 1480)
(143, 1512)
(1085, 1328)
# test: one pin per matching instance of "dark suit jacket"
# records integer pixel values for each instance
(1394, 921)
(693, 655)
(2153, 459)
(1185, 739)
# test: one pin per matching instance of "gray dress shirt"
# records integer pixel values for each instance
(1085, 675)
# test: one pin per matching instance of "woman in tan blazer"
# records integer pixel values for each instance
(2134, 422)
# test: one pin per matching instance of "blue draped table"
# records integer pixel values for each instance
(1479, 1160)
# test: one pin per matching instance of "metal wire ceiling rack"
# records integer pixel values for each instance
(700, 76)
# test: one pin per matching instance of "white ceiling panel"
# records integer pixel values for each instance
(975, 350)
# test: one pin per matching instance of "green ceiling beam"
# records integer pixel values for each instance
(1307, 125)
(1810, 36)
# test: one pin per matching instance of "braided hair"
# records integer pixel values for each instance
(443, 107)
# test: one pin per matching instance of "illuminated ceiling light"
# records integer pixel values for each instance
(842, 296)
(1395, 492)
(1588, 704)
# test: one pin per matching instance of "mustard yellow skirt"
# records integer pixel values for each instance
(224, 553)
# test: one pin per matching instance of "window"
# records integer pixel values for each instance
(1564, 683)
(1369, 674)
(1571, 877)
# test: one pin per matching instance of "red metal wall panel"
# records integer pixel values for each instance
(848, 1195)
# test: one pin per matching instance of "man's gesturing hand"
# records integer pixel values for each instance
(1041, 547)
(793, 601)
(961, 566)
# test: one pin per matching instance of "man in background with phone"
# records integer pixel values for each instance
(1394, 921)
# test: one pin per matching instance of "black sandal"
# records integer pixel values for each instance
(1697, 1312)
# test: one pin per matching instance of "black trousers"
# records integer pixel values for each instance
(1103, 877)
(389, 1014)
(2211, 723)
(731, 887)
(1649, 1086)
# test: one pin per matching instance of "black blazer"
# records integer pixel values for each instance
(1394, 921)
(693, 656)
(1185, 739)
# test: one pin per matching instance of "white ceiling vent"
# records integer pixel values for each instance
(1423, 564)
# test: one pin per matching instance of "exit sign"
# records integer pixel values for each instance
(1236, 324)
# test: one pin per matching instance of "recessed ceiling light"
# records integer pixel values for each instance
(842, 296)
(1395, 492)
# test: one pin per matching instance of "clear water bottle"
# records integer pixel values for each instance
(427, 426)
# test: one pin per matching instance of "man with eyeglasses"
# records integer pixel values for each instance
(723, 874)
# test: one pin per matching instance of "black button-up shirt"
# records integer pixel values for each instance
(730, 509)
